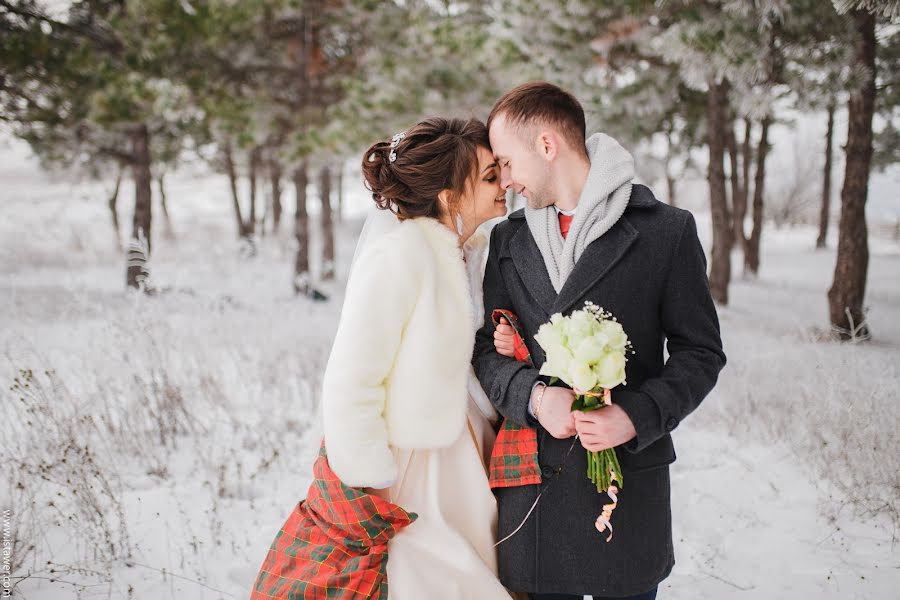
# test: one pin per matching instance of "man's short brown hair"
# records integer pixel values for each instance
(541, 102)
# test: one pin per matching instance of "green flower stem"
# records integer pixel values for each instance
(599, 464)
(616, 467)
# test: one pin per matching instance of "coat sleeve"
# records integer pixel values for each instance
(506, 381)
(380, 298)
(691, 326)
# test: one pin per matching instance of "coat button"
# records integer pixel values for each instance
(547, 472)
(671, 424)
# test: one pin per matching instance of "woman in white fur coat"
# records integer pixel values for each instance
(404, 416)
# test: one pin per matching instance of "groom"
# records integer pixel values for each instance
(589, 233)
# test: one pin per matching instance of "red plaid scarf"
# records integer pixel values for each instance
(514, 458)
(333, 545)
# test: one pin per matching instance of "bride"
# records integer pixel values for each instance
(406, 423)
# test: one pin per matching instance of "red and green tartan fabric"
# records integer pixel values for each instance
(514, 459)
(333, 545)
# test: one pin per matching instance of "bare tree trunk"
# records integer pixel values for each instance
(751, 253)
(340, 191)
(825, 213)
(670, 189)
(254, 169)
(720, 269)
(163, 203)
(267, 210)
(847, 293)
(670, 180)
(740, 173)
(740, 203)
(275, 175)
(232, 179)
(137, 270)
(327, 225)
(731, 146)
(302, 280)
(113, 210)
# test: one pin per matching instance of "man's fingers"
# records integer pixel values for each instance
(505, 330)
(593, 442)
(594, 447)
(589, 430)
(586, 417)
(585, 422)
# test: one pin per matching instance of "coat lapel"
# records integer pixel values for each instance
(598, 258)
(530, 264)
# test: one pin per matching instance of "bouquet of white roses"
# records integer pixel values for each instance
(588, 351)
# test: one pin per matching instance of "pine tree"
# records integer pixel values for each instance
(93, 84)
(847, 292)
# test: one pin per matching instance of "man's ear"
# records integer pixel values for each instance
(547, 144)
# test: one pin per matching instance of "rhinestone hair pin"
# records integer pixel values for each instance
(395, 141)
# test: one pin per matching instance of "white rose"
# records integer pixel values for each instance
(615, 334)
(610, 370)
(591, 350)
(552, 334)
(582, 377)
(558, 363)
(581, 325)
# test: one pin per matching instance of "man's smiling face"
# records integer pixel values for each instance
(522, 168)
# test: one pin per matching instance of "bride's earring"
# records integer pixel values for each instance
(459, 224)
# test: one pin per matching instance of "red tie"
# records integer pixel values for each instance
(564, 222)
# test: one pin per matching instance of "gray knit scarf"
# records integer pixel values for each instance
(603, 200)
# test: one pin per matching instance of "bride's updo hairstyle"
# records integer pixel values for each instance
(406, 174)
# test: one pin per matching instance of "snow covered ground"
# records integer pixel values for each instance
(160, 442)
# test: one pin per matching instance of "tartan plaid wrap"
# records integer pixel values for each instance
(333, 545)
(514, 458)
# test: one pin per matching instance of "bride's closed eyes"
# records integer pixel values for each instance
(492, 176)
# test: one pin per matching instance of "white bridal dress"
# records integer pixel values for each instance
(448, 553)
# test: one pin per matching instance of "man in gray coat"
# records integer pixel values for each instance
(589, 234)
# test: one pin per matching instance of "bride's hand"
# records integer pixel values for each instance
(503, 339)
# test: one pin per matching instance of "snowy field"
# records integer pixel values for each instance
(158, 443)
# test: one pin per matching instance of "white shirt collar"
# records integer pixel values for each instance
(568, 213)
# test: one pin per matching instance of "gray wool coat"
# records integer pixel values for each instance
(648, 270)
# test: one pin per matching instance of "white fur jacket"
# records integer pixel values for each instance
(399, 368)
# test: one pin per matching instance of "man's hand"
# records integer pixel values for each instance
(603, 428)
(553, 411)
(503, 338)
